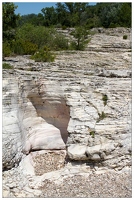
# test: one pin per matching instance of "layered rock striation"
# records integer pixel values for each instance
(80, 105)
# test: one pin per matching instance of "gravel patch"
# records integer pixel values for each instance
(106, 185)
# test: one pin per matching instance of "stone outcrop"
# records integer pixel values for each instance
(77, 108)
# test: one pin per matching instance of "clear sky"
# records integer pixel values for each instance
(25, 8)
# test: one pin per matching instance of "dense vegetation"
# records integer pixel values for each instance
(29, 34)
(82, 14)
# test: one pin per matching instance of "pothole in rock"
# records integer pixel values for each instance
(54, 111)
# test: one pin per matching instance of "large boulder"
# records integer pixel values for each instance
(41, 135)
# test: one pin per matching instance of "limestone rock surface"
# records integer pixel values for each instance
(76, 109)
(41, 135)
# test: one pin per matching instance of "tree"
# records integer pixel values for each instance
(50, 16)
(115, 14)
(80, 34)
(9, 20)
(62, 14)
(124, 15)
(34, 19)
(76, 13)
(79, 10)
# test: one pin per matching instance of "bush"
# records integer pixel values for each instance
(113, 25)
(43, 55)
(22, 47)
(7, 66)
(64, 27)
(124, 37)
(38, 35)
(6, 49)
(59, 42)
(75, 46)
(58, 26)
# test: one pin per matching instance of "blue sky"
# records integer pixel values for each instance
(28, 8)
(25, 8)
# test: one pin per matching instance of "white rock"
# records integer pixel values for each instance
(41, 135)
(77, 152)
(68, 95)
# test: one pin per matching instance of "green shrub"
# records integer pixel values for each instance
(124, 37)
(6, 49)
(92, 133)
(38, 35)
(59, 42)
(113, 25)
(22, 47)
(58, 26)
(64, 27)
(75, 46)
(17, 47)
(7, 66)
(105, 98)
(29, 48)
(34, 38)
(43, 55)
(101, 116)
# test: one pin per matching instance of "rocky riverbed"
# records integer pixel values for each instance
(67, 124)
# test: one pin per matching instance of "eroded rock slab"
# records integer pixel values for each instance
(41, 135)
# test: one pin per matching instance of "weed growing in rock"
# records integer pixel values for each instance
(101, 116)
(105, 98)
(92, 133)
(124, 37)
(7, 66)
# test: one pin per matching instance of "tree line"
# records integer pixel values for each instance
(32, 33)
(107, 15)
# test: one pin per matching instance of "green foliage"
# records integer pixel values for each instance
(36, 20)
(38, 35)
(7, 66)
(58, 25)
(114, 14)
(82, 14)
(105, 98)
(29, 33)
(101, 116)
(80, 34)
(92, 133)
(6, 49)
(109, 13)
(9, 20)
(50, 16)
(9, 24)
(59, 42)
(64, 27)
(22, 47)
(125, 15)
(125, 37)
(113, 25)
(43, 55)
